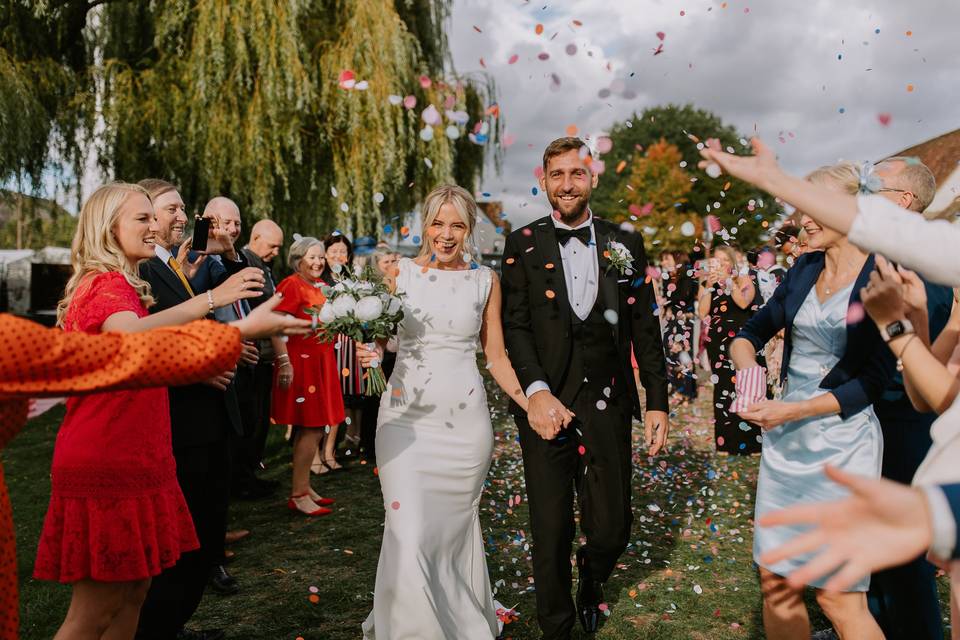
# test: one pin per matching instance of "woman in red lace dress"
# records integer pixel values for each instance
(307, 390)
(117, 516)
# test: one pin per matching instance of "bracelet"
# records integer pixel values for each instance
(903, 351)
(210, 301)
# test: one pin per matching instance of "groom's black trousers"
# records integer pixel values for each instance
(553, 470)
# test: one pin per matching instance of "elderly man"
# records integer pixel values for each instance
(266, 239)
(904, 599)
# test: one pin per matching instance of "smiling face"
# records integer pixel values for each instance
(668, 264)
(136, 228)
(312, 263)
(724, 263)
(171, 218)
(446, 234)
(337, 254)
(568, 182)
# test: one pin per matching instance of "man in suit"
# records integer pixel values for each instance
(199, 422)
(575, 299)
(904, 599)
(238, 395)
(266, 239)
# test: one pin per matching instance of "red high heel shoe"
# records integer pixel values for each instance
(320, 511)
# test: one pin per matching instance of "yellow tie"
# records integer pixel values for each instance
(176, 269)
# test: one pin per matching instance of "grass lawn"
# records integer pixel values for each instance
(687, 574)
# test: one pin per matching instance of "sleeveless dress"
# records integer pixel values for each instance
(794, 454)
(434, 445)
(313, 399)
(116, 511)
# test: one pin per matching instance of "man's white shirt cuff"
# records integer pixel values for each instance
(536, 386)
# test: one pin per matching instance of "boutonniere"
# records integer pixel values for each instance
(619, 257)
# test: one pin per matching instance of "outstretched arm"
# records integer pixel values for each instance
(872, 223)
(494, 350)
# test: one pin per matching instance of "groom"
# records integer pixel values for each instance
(575, 298)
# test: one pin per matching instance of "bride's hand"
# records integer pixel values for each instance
(369, 358)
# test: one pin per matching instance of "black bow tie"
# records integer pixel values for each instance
(582, 234)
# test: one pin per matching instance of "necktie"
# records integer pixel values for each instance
(172, 262)
(582, 234)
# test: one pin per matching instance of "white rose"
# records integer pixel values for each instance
(369, 308)
(394, 305)
(343, 305)
(327, 313)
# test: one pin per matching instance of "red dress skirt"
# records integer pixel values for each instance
(314, 399)
(116, 511)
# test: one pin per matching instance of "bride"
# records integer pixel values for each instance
(434, 437)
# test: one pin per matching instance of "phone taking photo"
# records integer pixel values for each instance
(201, 231)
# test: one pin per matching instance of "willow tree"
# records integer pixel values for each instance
(250, 99)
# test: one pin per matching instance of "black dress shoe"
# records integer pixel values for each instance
(197, 634)
(222, 582)
(589, 596)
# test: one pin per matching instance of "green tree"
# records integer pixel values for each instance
(684, 127)
(245, 99)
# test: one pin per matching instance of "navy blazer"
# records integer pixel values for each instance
(866, 366)
(952, 492)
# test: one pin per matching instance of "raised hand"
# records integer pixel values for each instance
(189, 269)
(247, 283)
(262, 322)
(883, 297)
(219, 241)
(881, 524)
(756, 169)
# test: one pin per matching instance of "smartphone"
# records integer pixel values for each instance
(201, 230)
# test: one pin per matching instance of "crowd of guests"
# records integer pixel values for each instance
(821, 353)
(142, 478)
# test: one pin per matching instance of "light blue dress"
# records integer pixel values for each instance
(794, 454)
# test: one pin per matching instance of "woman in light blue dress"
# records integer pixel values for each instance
(835, 367)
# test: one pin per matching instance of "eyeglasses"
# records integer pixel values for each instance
(897, 191)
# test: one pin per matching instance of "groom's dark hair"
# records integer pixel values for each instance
(561, 146)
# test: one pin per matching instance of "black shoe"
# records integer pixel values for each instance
(256, 491)
(267, 485)
(222, 582)
(204, 634)
(589, 596)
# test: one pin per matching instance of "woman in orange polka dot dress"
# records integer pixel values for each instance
(306, 391)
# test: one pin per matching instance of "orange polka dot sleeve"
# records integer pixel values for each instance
(36, 361)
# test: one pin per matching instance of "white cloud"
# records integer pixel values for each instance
(774, 69)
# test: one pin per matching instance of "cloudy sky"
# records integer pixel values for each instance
(816, 73)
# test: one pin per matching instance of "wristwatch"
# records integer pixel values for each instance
(896, 329)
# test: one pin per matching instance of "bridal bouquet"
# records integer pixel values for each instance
(365, 310)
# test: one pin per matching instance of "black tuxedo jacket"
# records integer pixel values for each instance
(537, 314)
(199, 414)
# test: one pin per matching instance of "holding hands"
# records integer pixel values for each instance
(547, 415)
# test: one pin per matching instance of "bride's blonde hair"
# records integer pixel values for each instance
(463, 203)
(95, 248)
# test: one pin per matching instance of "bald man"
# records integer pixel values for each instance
(266, 239)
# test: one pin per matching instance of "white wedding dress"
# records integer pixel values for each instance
(434, 446)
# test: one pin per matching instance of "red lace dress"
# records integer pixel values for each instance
(314, 399)
(116, 511)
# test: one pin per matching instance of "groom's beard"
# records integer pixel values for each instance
(576, 212)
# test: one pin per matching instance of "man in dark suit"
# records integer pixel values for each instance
(904, 599)
(199, 422)
(575, 300)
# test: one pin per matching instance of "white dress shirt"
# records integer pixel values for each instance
(163, 254)
(581, 273)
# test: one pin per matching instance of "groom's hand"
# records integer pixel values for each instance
(547, 415)
(656, 427)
